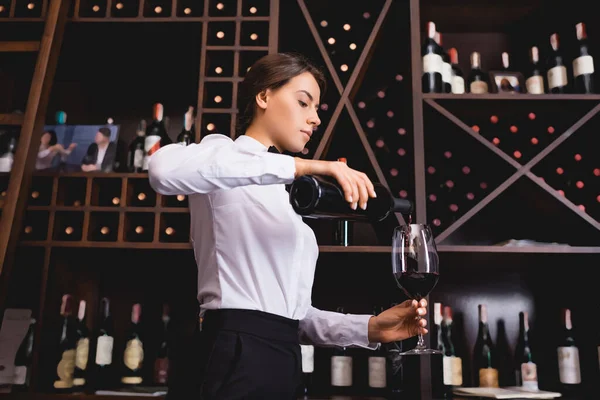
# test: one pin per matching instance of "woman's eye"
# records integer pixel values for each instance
(302, 104)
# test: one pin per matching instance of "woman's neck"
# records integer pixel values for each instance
(258, 133)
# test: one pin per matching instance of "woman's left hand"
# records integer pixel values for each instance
(399, 322)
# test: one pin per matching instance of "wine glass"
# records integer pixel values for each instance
(415, 264)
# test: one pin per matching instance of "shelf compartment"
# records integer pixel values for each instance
(125, 8)
(103, 227)
(35, 225)
(93, 8)
(221, 33)
(4, 8)
(140, 193)
(217, 95)
(157, 8)
(68, 226)
(190, 8)
(219, 63)
(222, 8)
(139, 227)
(254, 33)
(247, 59)
(255, 8)
(215, 123)
(179, 201)
(174, 228)
(71, 192)
(106, 192)
(29, 9)
(40, 193)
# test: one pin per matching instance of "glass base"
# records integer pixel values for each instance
(418, 352)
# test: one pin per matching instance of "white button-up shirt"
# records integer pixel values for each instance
(253, 251)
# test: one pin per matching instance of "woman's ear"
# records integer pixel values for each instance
(261, 99)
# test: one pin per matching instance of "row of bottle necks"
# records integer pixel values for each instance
(442, 74)
(385, 368)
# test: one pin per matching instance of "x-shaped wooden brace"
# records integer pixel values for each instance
(351, 86)
(522, 169)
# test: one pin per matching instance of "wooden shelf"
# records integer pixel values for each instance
(18, 46)
(12, 119)
(106, 245)
(516, 97)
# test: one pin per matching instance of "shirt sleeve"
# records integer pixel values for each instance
(215, 163)
(328, 328)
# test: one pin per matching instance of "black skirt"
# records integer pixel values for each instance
(242, 354)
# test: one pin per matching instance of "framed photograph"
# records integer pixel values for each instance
(88, 148)
(507, 82)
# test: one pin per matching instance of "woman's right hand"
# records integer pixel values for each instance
(356, 185)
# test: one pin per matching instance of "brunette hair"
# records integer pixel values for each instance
(271, 72)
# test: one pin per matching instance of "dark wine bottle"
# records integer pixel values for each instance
(568, 358)
(83, 347)
(458, 80)
(65, 361)
(23, 359)
(104, 372)
(557, 71)
(341, 368)
(477, 82)
(133, 356)
(161, 364)
(135, 155)
(486, 374)
(583, 64)
(446, 68)
(378, 368)
(453, 375)
(526, 370)
(431, 81)
(534, 80)
(319, 197)
(156, 135)
(186, 136)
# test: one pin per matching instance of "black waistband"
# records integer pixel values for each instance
(259, 323)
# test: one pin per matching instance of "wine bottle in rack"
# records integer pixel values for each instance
(83, 348)
(583, 64)
(440, 387)
(446, 68)
(378, 367)
(65, 361)
(453, 375)
(526, 369)
(104, 372)
(485, 372)
(136, 153)
(557, 71)
(161, 363)
(431, 80)
(23, 359)
(568, 357)
(477, 82)
(186, 136)
(458, 80)
(156, 135)
(308, 368)
(534, 80)
(341, 368)
(133, 356)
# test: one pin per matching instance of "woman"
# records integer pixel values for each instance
(256, 257)
(49, 149)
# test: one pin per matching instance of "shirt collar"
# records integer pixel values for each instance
(250, 143)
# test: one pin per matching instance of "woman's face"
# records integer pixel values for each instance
(290, 112)
(45, 139)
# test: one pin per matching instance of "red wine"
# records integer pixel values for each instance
(417, 285)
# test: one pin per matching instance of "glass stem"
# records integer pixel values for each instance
(421, 342)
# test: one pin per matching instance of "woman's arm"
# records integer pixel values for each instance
(215, 163)
(328, 328)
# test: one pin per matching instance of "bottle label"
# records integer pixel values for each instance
(535, 84)
(134, 354)
(458, 85)
(432, 63)
(308, 363)
(138, 158)
(377, 372)
(341, 371)
(568, 365)
(583, 65)
(151, 146)
(452, 371)
(78, 381)
(446, 72)
(488, 377)
(20, 375)
(82, 352)
(529, 376)
(65, 369)
(104, 350)
(479, 87)
(161, 370)
(557, 76)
